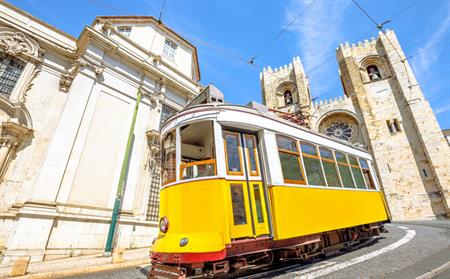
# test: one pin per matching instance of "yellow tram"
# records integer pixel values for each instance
(242, 187)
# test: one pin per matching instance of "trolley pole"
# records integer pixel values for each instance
(123, 172)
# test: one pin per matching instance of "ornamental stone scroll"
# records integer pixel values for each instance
(12, 135)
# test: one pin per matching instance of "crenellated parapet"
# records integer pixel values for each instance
(331, 102)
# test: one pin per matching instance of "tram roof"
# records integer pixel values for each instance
(254, 111)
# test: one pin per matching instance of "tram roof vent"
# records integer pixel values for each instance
(210, 94)
(258, 106)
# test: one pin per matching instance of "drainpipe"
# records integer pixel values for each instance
(123, 172)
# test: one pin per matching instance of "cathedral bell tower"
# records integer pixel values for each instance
(410, 151)
(286, 91)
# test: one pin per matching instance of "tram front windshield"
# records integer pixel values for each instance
(197, 152)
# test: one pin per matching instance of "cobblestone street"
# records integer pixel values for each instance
(393, 255)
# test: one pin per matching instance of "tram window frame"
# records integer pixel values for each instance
(366, 170)
(255, 155)
(291, 152)
(172, 176)
(357, 172)
(193, 167)
(238, 204)
(316, 157)
(241, 165)
(344, 164)
(331, 160)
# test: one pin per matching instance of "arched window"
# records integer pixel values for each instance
(288, 97)
(374, 73)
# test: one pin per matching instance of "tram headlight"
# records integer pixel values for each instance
(184, 241)
(164, 224)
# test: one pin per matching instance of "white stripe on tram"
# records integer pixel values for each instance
(408, 237)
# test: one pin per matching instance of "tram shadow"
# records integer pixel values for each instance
(303, 267)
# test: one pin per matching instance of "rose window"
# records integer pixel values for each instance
(340, 130)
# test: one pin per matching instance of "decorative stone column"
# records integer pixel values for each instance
(12, 135)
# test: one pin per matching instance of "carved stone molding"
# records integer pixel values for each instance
(15, 43)
(12, 135)
(66, 79)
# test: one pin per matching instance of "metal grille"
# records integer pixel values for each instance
(166, 112)
(10, 70)
(153, 200)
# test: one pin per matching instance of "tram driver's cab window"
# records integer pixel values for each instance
(169, 158)
(197, 150)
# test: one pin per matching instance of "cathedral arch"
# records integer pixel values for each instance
(373, 68)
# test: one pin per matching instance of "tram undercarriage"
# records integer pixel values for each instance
(304, 249)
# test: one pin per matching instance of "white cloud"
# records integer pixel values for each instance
(442, 109)
(319, 32)
(427, 54)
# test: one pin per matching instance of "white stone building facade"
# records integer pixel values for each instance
(382, 110)
(66, 106)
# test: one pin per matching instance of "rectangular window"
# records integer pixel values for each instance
(197, 150)
(330, 167)
(166, 113)
(238, 202)
(233, 153)
(252, 154)
(357, 174)
(290, 160)
(10, 70)
(124, 30)
(313, 167)
(169, 49)
(367, 175)
(169, 158)
(344, 170)
(258, 200)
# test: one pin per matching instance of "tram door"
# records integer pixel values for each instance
(247, 196)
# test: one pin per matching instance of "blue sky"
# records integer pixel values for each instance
(228, 32)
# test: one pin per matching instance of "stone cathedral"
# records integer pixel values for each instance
(382, 110)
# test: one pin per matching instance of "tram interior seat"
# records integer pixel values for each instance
(197, 150)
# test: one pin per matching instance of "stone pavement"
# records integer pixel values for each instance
(82, 264)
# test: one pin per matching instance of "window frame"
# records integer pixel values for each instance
(255, 152)
(169, 50)
(183, 166)
(235, 173)
(299, 159)
(348, 165)
(122, 28)
(371, 178)
(163, 153)
(359, 169)
(318, 157)
(334, 161)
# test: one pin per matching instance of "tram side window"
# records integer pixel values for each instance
(357, 174)
(313, 168)
(197, 150)
(330, 167)
(366, 172)
(344, 170)
(168, 159)
(290, 160)
(233, 153)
